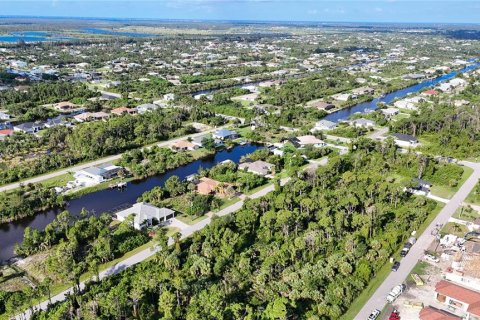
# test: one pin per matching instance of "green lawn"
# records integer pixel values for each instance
(377, 280)
(474, 195)
(190, 220)
(464, 213)
(455, 229)
(59, 181)
(448, 192)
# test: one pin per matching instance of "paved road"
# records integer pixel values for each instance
(145, 254)
(378, 299)
(92, 163)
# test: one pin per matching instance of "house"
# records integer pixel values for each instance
(145, 215)
(99, 115)
(4, 116)
(324, 125)
(97, 174)
(430, 92)
(224, 134)
(259, 167)
(183, 145)
(82, 117)
(209, 186)
(303, 141)
(362, 123)
(405, 140)
(147, 107)
(57, 121)
(29, 127)
(321, 105)
(458, 297)
(344, 96)
(390, 112)
(420, 187)
(123, 110)
(363, 90)
(431, 313)
(65, 106)
(169, 97)
(5, 133)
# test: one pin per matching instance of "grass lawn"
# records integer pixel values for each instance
(464, 213)
(474, 195)
(448, 192)
(255, 190)
(227, 202)
(191, 220)
(59, 181)
(384, 271)
(455, 229)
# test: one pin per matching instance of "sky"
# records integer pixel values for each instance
(426, 11)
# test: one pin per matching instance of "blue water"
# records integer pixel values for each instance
(108, 199)
(344, 114)
(33, 36)
(116, 33)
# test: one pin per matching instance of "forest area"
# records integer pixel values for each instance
(308, 248)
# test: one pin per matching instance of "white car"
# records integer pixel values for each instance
(374, 315)
(431, 258)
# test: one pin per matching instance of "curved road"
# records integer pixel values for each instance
(378, 299)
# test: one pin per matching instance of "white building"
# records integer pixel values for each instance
(93, 175)
(145, 215)
(324, 125)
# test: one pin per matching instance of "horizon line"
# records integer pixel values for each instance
(235, 20)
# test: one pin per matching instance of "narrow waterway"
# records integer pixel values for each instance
(109, 199)
(344, 114)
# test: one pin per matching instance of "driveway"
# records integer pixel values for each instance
(377, 300)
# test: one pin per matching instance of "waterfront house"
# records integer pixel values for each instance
(321, 105)
(363, 90)
(97, 174)
(183, 145)
(225, 134)
(29, 127)
(390, 112)
(123, 110)
(362, 123)
(57, 121)
(145, 215)
(259, 167)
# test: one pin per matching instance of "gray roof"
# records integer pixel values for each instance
(224, 133)
(144, 211)
(405, 137)
(260, 167)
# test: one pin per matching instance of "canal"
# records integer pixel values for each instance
(108, 199)
(344, 114)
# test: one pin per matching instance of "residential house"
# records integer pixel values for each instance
(65, 106)
(4, 116)
(82, 117)
(29, 127)
(390, 112)
(225, 134)
(123, 110)
(324, 125)
(147, 107)
(363, 90)
(57, 121)
(405, 140)
(307, 140)
(344, 96)
(99, 115)
(259, 167)
(5, 133)
(459, 298)
(431, 313)
(430, 93)
(209, 186)
(321, 105)
(420, 187)
(97, 174)
(145, 215)
(183, 145)
(362, 123)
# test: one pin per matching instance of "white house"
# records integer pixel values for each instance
(145, 215)
(143, 108)
(405, 140)
(324, 125)
(303, 141)
(97, 174)
(362, 123)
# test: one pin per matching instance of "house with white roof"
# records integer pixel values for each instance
(324, 125)
(145, 215)
(98, 174)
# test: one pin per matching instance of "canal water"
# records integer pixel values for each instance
(109, 199)
(344, 114)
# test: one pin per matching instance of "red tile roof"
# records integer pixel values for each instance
(431, 313)
(6, 131)
(430, 92)
(470, 297)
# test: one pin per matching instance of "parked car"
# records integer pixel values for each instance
(395, 293)
(395, 315)
(374, 315)
(406, 249)
(395, 266)
(431, 258)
